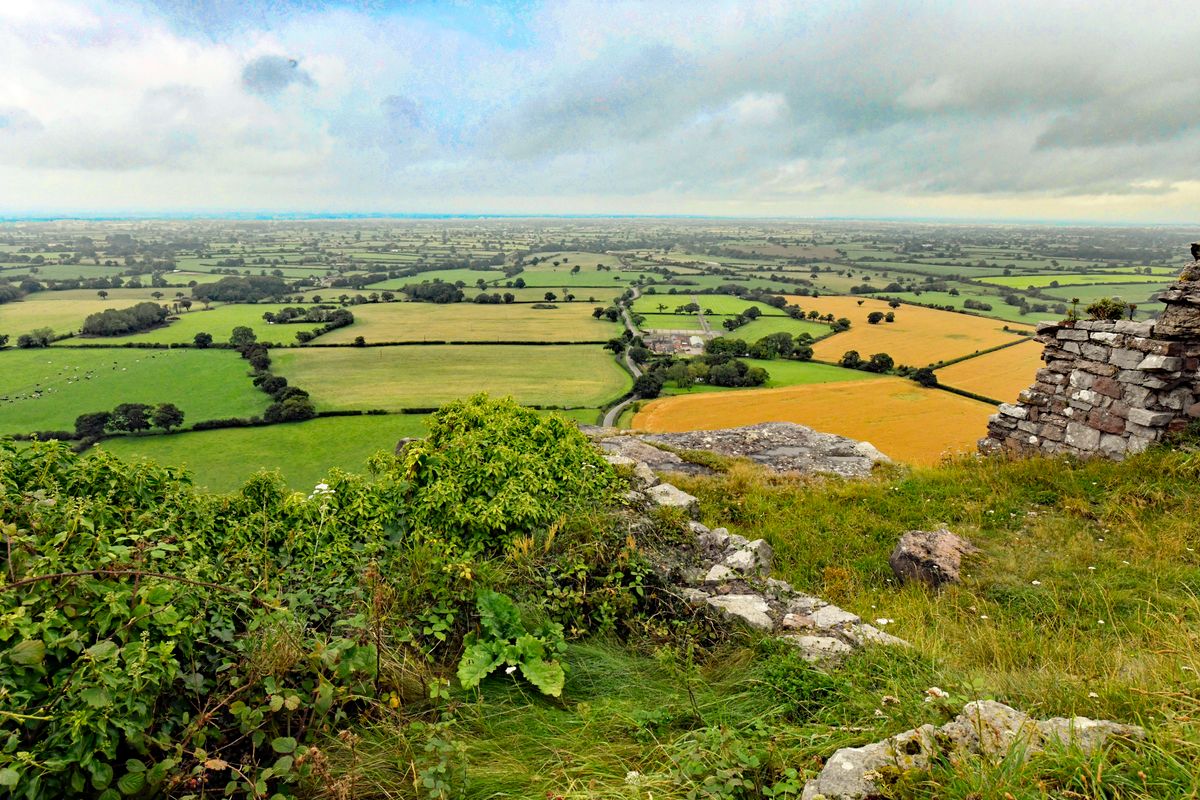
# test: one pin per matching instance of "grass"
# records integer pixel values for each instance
(1000, 375)
(205, 384)
(218, 321)
(1063, 279)
(429, 375)
(399, 322)
(795, 373)
(918, 337)
(765, 326)
(64, 312)
(905, 421)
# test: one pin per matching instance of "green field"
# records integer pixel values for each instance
(1065, 279)
(765, 326)
(590, 276)
(64, 312)
(718, 303)
(467, 276)
(676, 322)
(205, 384)
(422, 376)
(218, 321)
(472, 322)
(1140, 293)
(788, 373)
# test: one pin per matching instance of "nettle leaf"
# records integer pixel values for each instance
(27, 653)
(96, 697)
(103, 650)
(547, 676)
(477, 663)
(131, 782)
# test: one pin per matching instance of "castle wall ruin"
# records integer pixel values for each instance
(1109, 388)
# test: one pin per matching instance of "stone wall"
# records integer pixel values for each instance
(1109, 388)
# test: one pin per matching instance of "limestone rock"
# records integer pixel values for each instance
(782, 447)
(855, 773)
(828, 616)
(753, 559)
(655, 458)
(933, 557)
(989, 728)
(1088, 735)
(817, 648)
(665, 495)
(751, 609)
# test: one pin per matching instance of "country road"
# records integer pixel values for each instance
(614, 413)
(703, 320)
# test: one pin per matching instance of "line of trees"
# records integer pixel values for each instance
(121, 321)
(128, 418)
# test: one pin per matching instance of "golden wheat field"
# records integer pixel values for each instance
(905, 421)
(1000, 375)
(919, 336)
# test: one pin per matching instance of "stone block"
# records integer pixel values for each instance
(1160, 363)
(1072, 335)
(1105, 422)
(1112, 445)
(1108, 338)
(1095, 352)
(1148, 418)
(1108, 387)
(1082, 437)
(1082, 380)
(1015, 411)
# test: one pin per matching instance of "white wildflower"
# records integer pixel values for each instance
(1037, 583)
(1093, 695)
(633, 778)
(934, 693)
(884, 621)
(510, 670)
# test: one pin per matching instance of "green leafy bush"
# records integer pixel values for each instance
(508, 643)
(491, 469)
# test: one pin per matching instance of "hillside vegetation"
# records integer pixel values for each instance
(269, 644)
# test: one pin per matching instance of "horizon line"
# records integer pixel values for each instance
(297, 216)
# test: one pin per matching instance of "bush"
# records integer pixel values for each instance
(1108, 308)
(490, 470)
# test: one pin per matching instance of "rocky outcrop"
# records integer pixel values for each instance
(778, 446)
(984, 728)
(932, 557)
(1109, 388)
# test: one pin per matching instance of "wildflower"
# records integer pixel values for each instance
(1093, 695)
(884, 621)
(633, 778)
(983, 616)
(934, 693)
(510, 670)
(889, 700)
(1091, 569)
(1037, 583)
(1099, 622)
(879, 712)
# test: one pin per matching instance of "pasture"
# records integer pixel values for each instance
(905, 421)
(785, 372)
(765, 326)
(472, 322)
(422, 376)
(64, 312)
(1000, 375)
(218, 321)
(47, 389)
(918, 337)
(1062, 279)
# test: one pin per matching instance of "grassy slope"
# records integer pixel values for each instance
(1103, 542)
(205, 384)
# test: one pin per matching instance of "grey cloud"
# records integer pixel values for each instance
(269, 75)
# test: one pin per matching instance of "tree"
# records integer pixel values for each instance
(926, 377)
(890, 316)
(3, 339)
(597, 312)
(130, 417)
(880, 362)
(550, 297)
(157, 295)
(202, 340)
(242, 337)
(851, 360)
(649, 384)
(293, 409)
(509, 297)
(103, 295)
(875, 317)
(91, 426)
(615, 345)
(168, 416)
(359, 341)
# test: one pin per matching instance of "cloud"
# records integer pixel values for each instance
(270, 75)
(719, 105)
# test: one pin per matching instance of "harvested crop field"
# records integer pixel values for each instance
(919, 336)
(905, 421)
(1000, 375)
(472, 322)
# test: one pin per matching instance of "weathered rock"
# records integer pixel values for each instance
(828, 616)
(782, 447)
(720, 574)
(818, 648)
(854, 773)
(655, 458)
(933, 557)
(751, 609)
(752, 559)
(984, 728)
(665, 495)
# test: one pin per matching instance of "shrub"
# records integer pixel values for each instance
(1107, 308)
(490, 469)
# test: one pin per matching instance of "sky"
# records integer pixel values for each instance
(1000, 110)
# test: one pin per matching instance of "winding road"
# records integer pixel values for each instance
(614, 413)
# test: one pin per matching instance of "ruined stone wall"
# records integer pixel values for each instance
(1109, 388)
